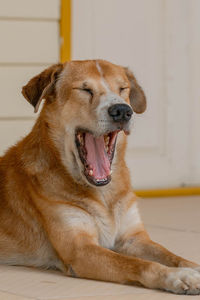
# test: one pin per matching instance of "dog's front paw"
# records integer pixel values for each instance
(183, 281)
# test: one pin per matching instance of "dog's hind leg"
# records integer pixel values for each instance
(37, 253)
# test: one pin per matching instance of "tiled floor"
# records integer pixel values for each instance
(174, 222)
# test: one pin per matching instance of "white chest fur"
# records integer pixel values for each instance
(105, 224)
(113, 226)
(107, 230)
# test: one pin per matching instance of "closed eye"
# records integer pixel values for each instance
(87, 90)
(122, 89)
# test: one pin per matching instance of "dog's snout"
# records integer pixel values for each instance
(120, 112)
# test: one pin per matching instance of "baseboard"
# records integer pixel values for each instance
(171, 192)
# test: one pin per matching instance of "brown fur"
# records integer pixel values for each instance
(50, 216)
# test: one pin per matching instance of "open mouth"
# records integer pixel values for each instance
(96, 154)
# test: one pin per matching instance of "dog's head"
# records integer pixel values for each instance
(90, 102)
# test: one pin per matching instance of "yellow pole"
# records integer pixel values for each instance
(65, 30)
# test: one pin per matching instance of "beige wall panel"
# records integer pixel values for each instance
(29, 42)
(12, 78)
(30, 8)
(13, 131)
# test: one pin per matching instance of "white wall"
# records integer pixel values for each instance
(29, 35)
(160, 41)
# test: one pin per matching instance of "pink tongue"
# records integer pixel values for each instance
(97, 156)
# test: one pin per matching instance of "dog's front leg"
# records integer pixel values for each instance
(87, 259)
(76, 243)
(140, 245)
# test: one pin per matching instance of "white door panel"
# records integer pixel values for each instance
(195, 90)
(153, 38)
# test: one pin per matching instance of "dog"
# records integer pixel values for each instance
(66, 200)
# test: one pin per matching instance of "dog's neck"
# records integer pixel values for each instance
(38, 148)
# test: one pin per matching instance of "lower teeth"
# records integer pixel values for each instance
(100, 180)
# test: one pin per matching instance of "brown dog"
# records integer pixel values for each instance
(58, 205)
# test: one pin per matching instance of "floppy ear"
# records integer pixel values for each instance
(42, 86)
(137, 96)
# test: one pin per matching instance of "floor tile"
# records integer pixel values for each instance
(8, 296)
(138, 297)
(181, 213)
(44, 285)
(182, 243)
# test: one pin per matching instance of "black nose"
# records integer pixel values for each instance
(120, 112)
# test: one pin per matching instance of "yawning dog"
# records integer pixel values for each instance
(66, 199)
